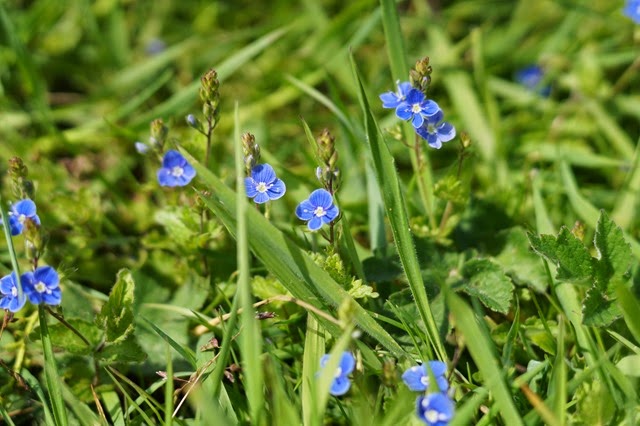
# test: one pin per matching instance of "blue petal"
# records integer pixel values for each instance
(277, 190)
(423, 131)
(321, 198)
(7, 283)
(430, 108)
(404, 88)
(314, 224)
(263, 173)
(403, 112)
(173, 158)
(165, 178)
(390, 100)
(250, 187)
(331, 213)
(188, 172)
(305, 209)
(446, 132)
(141, 147)
(434, 141)
(412, 377)
(15, 225)
(340, 386)
(436, 118)
(14, 304)
(261, 197)
(414, 96)
(438, 402)
(347, 363)
(48, 276)
(417, 121)
(25, 207)
(53, 298)
(438, 368)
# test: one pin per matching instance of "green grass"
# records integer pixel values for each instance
(514, 258)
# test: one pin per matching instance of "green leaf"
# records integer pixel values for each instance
(63, 337)
(614, 254)
(124, 350)
(567, 252)
(630, 365)
(598, 309)
(486, 280)
(520, 262)
(116, 316)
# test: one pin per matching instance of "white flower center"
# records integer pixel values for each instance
(424, 380)
(319, 212)
(431, 128)
(41, 287)
(14, 291)
(22, 218)
(432, 416)
(338, 372)
(177, 171)
(415, 108)
(262, 187)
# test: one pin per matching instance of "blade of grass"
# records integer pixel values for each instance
(314, 348)
(480, 345)
(292, 266)
(251, 336)
(186, 352)
(168, 388)
(624, 211)
(396, 210)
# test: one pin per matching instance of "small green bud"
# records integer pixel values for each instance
(251, 151)
(159, 134)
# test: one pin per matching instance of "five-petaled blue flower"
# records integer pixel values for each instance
(341, 383)
(435, 409)
(435, 132)
(318, 209)
(9, 290)
(176, 170)
(263, 185)
(19, 213)
(417, 378)
(391, 99)
(416, 108)
(42, 285)
(632, 10)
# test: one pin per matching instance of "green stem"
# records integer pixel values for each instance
(12, 252)
(51, 371)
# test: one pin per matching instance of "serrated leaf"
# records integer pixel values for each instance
(614, 254)
(599, 310)
(520, 262)
(125, 350)
(487, 281)
(63, 337)
(567, 252)
(116, 316)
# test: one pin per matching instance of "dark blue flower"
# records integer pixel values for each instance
(9, 291)
(341, 383)
(416, 108)
(19, 213)
(532, 77)
(176, 170)
(435, 132)
(263, 185)
(435, 409)
(391, 99)
(42, 285)
(417, 378)
(632, 10)
(318, 209)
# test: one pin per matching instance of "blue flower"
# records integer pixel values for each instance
(435, 409)
(391, 99)
(176, 170)
(417, 378)
(341, 383)
(435, 132)
(416, 107)
(531, 77)
(9, 290)
(42, 285)
(318, 209)
(632, 10)
(19, 213)
(263, 185)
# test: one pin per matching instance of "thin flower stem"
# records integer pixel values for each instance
(448, 210)
(422, 169)
(69, 326)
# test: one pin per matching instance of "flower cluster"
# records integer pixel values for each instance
(425, 115)
(39, 286)
(341, 383)
(632, 10)
(19, 213)
(436, 408)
